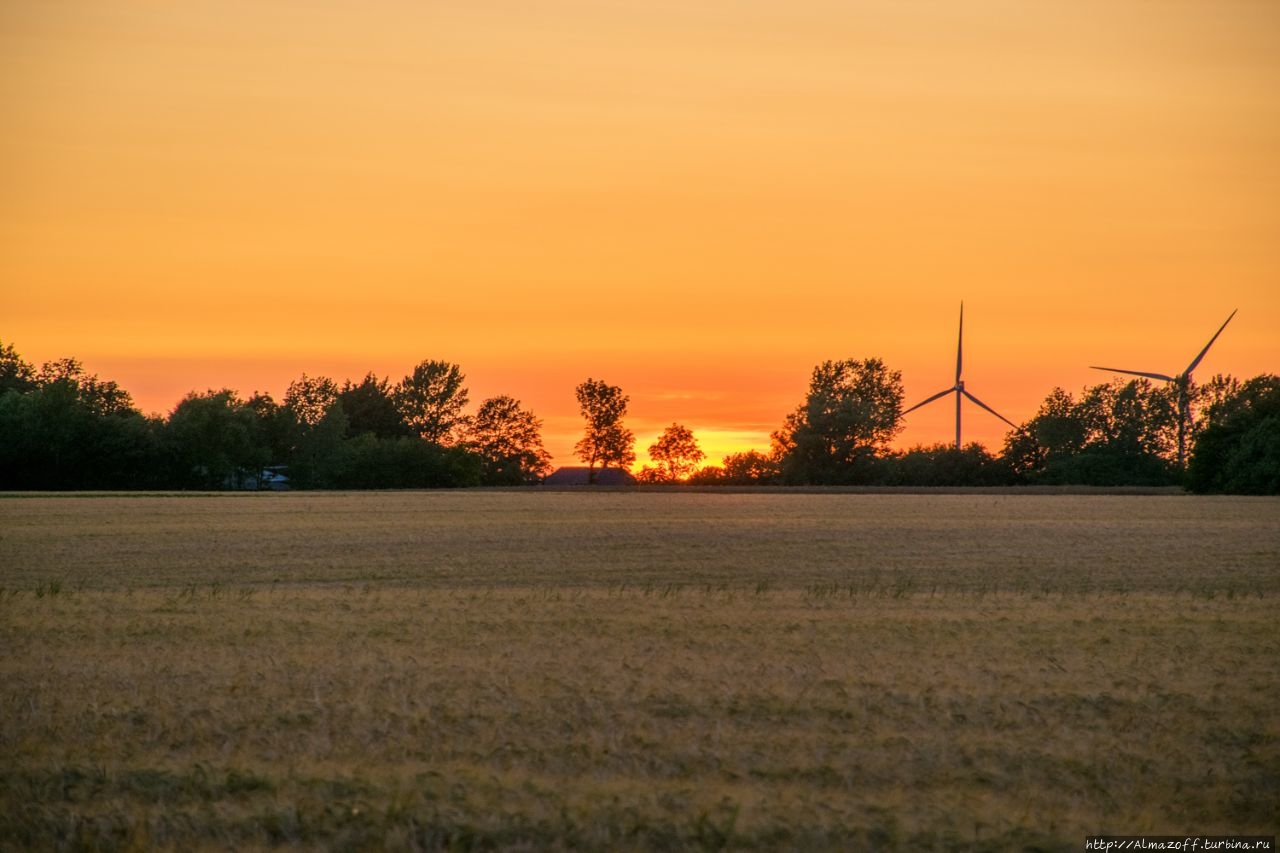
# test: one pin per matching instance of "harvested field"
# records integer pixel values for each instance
(524, 670)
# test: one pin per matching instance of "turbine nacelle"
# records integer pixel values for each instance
(1183, 378)
(1182, 382)
(958, 388)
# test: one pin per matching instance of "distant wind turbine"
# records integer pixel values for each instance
(1182, 384)
(958, 389)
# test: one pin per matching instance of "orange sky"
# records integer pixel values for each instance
(698, 201)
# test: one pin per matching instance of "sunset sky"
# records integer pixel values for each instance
(696, 200)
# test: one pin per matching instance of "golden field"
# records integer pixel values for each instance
(635, 670)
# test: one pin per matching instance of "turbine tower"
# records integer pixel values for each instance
(958, 389)
(1182, 385)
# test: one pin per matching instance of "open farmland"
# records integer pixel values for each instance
(624, 670)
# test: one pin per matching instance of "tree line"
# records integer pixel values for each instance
(1119, 433)
(63, 428)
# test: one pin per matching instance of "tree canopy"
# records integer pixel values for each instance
(748, 468)
(309, 398)
(216, 440)
(64, 432)
(15, 373)
(852, 411)
(433, 401)
(1239, 448)
(606, 441)
(64, 428)
(677, 455)
(508, 440)
(1117, 433)
(371, 408)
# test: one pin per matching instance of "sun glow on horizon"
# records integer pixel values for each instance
(696, 202)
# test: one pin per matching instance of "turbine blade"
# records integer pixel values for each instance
(989, 409)
(929, 400)
(1159, 376)
(960, 344)
(1198, 358)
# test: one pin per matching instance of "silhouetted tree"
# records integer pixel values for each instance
(750, 468)
(1119, 433)
(606, 441)
(649, 474)
(102, 397)
(431, 400)
(1053, 431)
(369, 407)
(53, 436)
(707, 475)
(309, 398)
(1239, 450)
(273, 427)
(215, 441)
(852, 411)
(1132, 418)
(403, 463)
(63, 428)
(1208, 400)
(677, 453)
(319, 456)
(944, 465)
(16, 375)
(508, 441)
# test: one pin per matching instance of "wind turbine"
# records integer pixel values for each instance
(958, 389)
(1182, 384)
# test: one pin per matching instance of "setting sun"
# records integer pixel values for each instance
(619, 425)
(696, 202)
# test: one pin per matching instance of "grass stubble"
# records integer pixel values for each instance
(635, 671)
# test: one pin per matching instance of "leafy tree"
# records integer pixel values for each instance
(676, 453)
(1239, 450)
(649, 474)
(944, 465)
(370, 408)
(1208, 401)
(431, 400)
(404, 463)
(1118, 433)
(215, 441)
(51, 437)
(707, 475)
(62, 428)
(102, 397)
(750, 468)
(1131, 418)
(852, 411)
(309, 398)
(1054, 431)
(15, 374)
(319, 454)
(606, 440)
(272, 426)
(509, 442)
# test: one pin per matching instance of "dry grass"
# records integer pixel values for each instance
(530, 671)
(1024, 543)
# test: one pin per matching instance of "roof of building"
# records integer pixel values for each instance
(579, 476)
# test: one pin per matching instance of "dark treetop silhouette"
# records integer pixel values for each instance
(1183, 386)
(62, 428)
